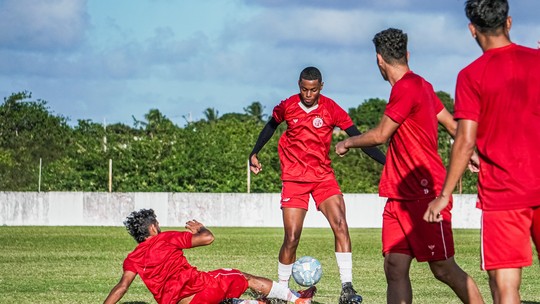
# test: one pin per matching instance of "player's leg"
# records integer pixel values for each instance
(293, 222)
(274, 290)
(329, 200)
(397, 253)
(333, 208)
(434, 243)
(294, 206)
(506, 248)
(396, 270)
(448, 272)
(504, 285)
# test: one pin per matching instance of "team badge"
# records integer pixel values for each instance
(424, 182)
(318, 122)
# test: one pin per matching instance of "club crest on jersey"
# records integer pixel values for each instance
(318, 122)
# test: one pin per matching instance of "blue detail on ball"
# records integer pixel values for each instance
(307, 271)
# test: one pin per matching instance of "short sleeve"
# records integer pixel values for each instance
(279, 112)
(181, 239)
(467, 105)
(129, 265)
(342, 119)
(400, 104)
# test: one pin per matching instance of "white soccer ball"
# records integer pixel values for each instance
(307, 271)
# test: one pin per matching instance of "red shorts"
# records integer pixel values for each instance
(405, 231)
(506, 237)
(222, 284)
(296, 195)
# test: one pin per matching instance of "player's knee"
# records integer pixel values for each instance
(291, 240)
(394, 272)
(447, 272)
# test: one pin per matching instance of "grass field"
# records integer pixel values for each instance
(82, 264)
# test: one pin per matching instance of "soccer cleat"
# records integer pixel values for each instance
(241, 301)
(303, 301)
(349, 295)
(308, 293)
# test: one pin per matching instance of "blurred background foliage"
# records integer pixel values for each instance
(156, 155)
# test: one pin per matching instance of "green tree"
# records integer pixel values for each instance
(368, 114)
(256, 110)
(211, 114)
(28, 132)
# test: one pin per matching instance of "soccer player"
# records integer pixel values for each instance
(498, 111)
(159, 260)
(412, 175)
(306, 170)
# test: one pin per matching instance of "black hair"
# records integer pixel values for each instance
(138, 224)
(311, 73)
(488, 16)
(391, 44)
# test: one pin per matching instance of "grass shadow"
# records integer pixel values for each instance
(529, 302)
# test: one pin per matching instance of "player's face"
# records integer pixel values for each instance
(310, 90)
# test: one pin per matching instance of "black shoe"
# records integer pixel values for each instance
(348, 295)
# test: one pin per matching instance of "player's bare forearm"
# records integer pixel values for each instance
(447, 121)
(202, 236)
(115, 295)
(461, 154)
(120, 289)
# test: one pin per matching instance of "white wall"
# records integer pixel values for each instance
(174, 209)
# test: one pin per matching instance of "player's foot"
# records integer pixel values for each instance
(303, 301)
(241, 301)
(349, 295)
(308, 293)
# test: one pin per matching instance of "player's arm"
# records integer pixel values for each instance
(201, 235)
(462, 150)
(372, 152)
(373, 137)
(265, 135)
(120, 289)
(447, 121)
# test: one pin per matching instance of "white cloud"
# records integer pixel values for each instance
(42, 25)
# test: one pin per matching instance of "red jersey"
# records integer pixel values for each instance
(161, 264)
(303, 148)
(501, 92)
(413, 169)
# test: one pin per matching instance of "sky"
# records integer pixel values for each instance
(112, 61)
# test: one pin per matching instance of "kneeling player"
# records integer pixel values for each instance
(159, 260)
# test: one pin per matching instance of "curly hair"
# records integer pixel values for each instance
(488, 16)
(391, 44)
(310, 73)
(138, 222)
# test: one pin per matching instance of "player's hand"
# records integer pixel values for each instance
(340, 148)
(193, 226)
(433, 212)
(474, 163)
(254, 164)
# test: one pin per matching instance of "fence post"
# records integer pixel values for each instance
(110, 175)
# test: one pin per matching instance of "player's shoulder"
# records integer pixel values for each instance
(410, 80)
(293, 99)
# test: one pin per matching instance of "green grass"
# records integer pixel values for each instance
(82, 264)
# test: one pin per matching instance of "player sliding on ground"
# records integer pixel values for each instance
(159, 260)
